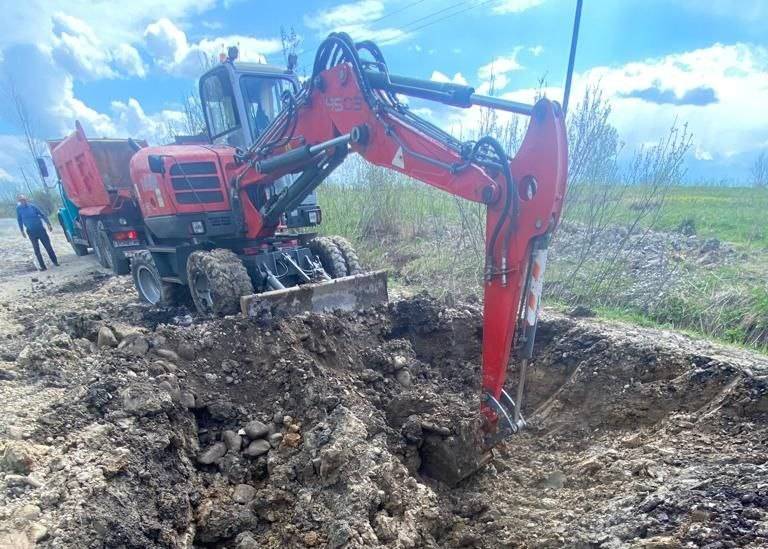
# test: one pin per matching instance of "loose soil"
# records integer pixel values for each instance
(127, 426)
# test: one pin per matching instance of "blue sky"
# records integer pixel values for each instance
(122, 68)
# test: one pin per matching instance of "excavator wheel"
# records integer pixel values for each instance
(350, 255)
(217, 281)
(150, 287)
(330, 256)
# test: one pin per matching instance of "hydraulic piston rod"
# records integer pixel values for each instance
(444, 92)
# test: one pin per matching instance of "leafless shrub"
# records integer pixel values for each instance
(760, 170)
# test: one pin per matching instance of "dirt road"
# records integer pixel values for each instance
(125, 426)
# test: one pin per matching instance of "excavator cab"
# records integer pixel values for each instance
(240, 100)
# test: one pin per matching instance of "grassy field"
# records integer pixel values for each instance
(430, 240)
(732, 214)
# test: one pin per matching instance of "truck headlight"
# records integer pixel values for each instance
(122, 221)
(312, 216)
(197, 227)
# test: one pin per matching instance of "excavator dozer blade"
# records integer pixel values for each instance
(348, 293)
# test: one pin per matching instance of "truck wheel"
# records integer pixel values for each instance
(115, 259)
(119, 264)
(150, 287)
(217, 281)
(330, 256)
(94, 238)
(79, 249)
(350, 255)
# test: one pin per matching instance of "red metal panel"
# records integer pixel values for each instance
(94, 173)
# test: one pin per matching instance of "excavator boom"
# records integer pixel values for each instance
(350, 105)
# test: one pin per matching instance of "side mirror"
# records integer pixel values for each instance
(42, 167)
(156, 163)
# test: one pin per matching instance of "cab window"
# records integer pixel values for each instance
(219, 104)
(262, 96)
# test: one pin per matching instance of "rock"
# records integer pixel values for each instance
(257, 448)
(21, 480)
(274, 439)
(17, 459)
(15, 540)
(106, 337)
(212, 453)
(186, 351)
(556, 480)
(167, 354)
(311, 539)
(243, 493)
(256, 429)
(232, 440)
(403, 377)
(245, 540)
(28, 512)
(580, 311)
(37, 532)
(187, 400)
(142, 400)
(291, 440)
(14, 432)
(658, 542)
(135, 345)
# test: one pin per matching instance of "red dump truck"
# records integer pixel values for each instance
(98, 208)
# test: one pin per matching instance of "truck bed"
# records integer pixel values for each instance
(94, 172)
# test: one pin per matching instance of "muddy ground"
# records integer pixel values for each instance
(124, 426)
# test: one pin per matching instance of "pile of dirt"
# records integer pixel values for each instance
(332, 430)
(649, 265)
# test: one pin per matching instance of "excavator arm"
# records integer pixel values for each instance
(351, 105)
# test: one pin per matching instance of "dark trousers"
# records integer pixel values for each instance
(41, 235)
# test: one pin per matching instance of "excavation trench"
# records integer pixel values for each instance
(330, 431)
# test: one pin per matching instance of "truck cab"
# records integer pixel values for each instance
(239, 101)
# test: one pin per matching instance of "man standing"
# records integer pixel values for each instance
(29, 216)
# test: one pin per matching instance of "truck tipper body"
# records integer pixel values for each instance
(99, 210)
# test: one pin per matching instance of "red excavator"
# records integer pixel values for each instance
(214, 214)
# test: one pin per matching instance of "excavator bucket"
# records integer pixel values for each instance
(348, 293)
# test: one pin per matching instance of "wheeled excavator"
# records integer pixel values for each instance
(215, 220)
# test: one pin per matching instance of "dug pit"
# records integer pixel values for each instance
(333, 430)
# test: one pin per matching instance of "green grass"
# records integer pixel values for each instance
(430, 240)
(732, 214)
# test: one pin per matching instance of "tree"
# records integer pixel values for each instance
(760, 170)
(20, 114)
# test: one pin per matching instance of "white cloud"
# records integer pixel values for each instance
(536, 50)
(720, 91)
(5, 176)
(127, 60)
(458, 78)
(77, 48)
(516, 6)
(355, 19)
(500, 65)
(131, 119)
(171, 49)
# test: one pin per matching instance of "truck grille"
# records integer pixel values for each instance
(196, 182)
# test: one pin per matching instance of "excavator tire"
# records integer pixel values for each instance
(350, 255)
(330, 256)
(150, 287)
(217, 281)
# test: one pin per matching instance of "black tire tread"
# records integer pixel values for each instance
(350, 255)
(330, 256)
(227, 277)
(94, 237)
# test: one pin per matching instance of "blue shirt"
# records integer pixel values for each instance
(29, 216)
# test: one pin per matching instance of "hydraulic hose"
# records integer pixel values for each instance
(510, 199)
